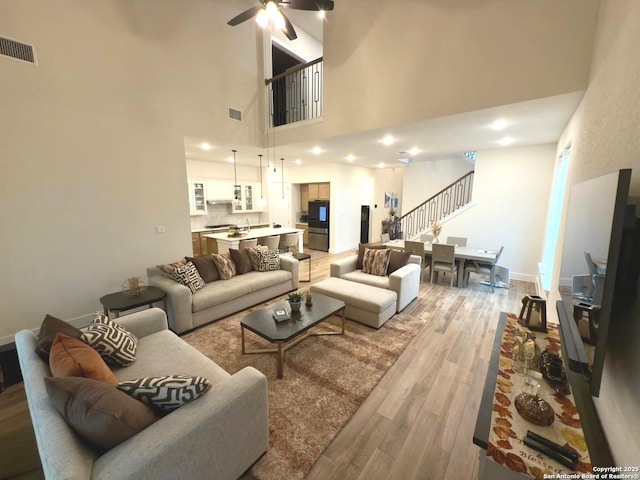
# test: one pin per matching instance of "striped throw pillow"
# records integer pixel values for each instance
(188, 276)
(116, 345)
(166, 393)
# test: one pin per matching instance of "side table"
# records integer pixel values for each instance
(304, 256)
(119, 302)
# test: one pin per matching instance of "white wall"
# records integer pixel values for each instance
(91, 141)
(511, 193)
(425, 178)
(386, 180)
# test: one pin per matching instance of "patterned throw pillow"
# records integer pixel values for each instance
(269, 260)
(254, 256)
(375, 262)
(166, 393)
(167, 269)
(188, 276)
(226, 267)
(115, 344)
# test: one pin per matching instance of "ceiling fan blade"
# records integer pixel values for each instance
(244, 16)
(288, 30)
(314, 5)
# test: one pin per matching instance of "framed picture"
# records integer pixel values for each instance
(387, 199)
(394, 201)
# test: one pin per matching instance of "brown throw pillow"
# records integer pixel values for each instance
(397, 260)
(375, 261)
(99, 413)
(225, 265)
(50, 327)
(361, 248)
(242, 260)
(71, 357)
(206, 267)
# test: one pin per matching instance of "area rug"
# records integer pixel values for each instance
(326, 379)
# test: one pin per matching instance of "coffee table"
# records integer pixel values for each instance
(287, 333)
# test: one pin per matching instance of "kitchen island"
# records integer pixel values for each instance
(224, 242)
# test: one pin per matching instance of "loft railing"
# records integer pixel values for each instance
(433, 210)
(295, 95)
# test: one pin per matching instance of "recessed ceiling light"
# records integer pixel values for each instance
(230, 159)
(414, 151)
(381, 165)
(499, 124)
(388, 140)
(350, 158)
(316, 150)
(298, 161)
(505, 141)
(321, 14)
(205, 146)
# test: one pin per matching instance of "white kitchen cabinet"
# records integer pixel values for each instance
(197, 197)
(246, 193)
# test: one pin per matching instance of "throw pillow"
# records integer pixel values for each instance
(99, 413)
(375, 261)
(361, 248)
(397, 260)
(269, 260)
(166, 393)
(116, 345)
(167, 269)
(254, 257)
(241, 260)
(71, 357)
(50, 327)
(188, 276)
(206, 268)
(225, 265)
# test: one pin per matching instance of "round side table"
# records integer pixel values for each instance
(119, 302)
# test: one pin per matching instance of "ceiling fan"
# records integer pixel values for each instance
(271, 12)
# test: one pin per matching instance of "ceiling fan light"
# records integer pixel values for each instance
(262, 19)
(279, 21)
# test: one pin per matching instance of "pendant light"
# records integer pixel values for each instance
(261, 202)
(236, 187)
(282, 200)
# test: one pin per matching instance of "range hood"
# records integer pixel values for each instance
(220, 201)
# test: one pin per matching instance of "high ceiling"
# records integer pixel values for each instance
(528, 123)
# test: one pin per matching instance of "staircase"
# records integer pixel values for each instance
(436, 209)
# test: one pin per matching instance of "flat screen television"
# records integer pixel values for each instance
(606, 363)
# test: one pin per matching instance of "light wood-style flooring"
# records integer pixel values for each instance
(418, 422)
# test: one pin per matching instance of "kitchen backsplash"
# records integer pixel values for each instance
(221, 215)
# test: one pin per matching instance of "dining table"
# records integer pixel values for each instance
(462, 254)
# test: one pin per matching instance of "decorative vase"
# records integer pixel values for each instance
(295, 306)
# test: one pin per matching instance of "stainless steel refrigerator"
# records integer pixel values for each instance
(319, 225)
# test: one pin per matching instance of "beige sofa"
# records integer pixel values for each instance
(219, 435)
(220, 298)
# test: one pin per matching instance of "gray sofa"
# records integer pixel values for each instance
(218, 299)
(217, 436)
(405, 281)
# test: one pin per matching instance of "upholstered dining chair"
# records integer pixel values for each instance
(289, 242)
(482, 268)
(417, 248)
(460, 241)
(271, 243)
(443, 260)
(385, 237)
(250, 242)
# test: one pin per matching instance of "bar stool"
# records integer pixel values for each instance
(289, 242)
(250, 242)
(271, 242)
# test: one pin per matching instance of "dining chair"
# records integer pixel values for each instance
(289, 242)
(597, 280)
(443, 259)
(250, 242)
(426, 237)
(272, 243)
(460, 241)
(417, 248)
(385, 237)
(483, 268)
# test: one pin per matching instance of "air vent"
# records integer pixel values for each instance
(17, 50)
(235, 114)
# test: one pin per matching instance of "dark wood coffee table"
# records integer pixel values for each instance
(290, 332)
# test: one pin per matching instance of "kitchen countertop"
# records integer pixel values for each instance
(255, 233)
(225, 229)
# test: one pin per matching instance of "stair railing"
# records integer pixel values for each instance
(433, 210)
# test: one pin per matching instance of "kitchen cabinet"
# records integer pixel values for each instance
(304, 197)
(323, 191)
(195, 240)
(313, 191)
(197, 197)
(246, 194)
(305, 235)
(318, 191)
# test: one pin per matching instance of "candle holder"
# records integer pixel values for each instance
(533, 314)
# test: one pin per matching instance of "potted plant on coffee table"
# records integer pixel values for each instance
(295, 300)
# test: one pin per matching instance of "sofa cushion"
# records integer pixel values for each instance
(222, 291)
(71, 357)
(166, 393)
(113, 342)
(225, 265)
(98, 412)
(375, 261)
(241, 260)
(397, 259)
(359, 277)
(361, 249)
(188, 276)
(206, 268)
(49, 328)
